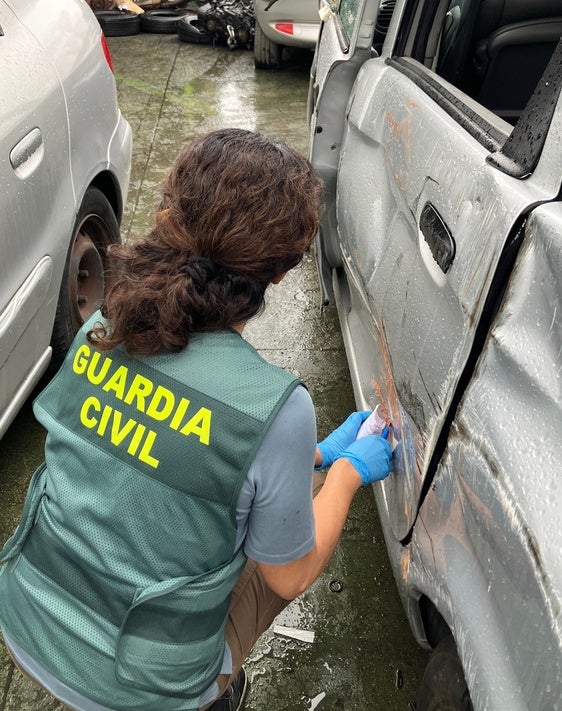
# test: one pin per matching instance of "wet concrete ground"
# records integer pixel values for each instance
(362, 657)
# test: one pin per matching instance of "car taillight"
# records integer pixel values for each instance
(286, 27)
(106, 52)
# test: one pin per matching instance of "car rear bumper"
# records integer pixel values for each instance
(301, 18)
(303, 34)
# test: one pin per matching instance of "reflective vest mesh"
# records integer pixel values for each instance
(119, 575)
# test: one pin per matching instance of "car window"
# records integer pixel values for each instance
(502, 61)
(494, 51)
(497, 54)
(348, 10)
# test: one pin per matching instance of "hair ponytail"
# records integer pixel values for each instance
(237, 210)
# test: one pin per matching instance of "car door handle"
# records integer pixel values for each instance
(438, 237)
(26, 155)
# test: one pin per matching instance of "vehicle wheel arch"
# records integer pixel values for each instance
(443, 684)
(435, 627)
(106, 183)
(443, 681)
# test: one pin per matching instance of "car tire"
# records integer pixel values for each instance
(443, 686)
(83, 282)
(149, 4)
(164, 22)
(118, 24)
(191, 29)
(267, 54)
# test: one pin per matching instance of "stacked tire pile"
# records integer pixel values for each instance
(223, 22)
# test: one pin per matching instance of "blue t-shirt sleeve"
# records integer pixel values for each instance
(275, 515)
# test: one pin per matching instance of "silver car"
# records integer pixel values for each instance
(283, 23)
(437, 127)
(64, 174)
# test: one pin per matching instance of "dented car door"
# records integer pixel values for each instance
(427, 215)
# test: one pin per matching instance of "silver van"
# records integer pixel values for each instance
(437, 127)
(64, 173)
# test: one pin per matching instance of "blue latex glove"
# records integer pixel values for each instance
(341, 438)
(370, 456)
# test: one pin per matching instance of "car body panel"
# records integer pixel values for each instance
(486, 546)
(408, 156)
(38, 182)
(301, 14)
(62, 131)
(386, 149)
(452, 321)
(496, 538)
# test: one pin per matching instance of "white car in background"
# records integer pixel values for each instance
(64, 174)
(283, 23)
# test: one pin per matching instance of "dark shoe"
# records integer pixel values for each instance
(233, 697)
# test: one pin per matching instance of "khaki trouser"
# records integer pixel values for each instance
(253, 608)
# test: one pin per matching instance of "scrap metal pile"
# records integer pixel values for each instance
(223, 22)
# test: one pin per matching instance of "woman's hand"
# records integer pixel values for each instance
(340, 438)
(370, 456)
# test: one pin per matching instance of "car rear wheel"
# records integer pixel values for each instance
(83, 283)
(267, 54)
(443, 686)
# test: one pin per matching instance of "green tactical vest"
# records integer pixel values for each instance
(118, 578)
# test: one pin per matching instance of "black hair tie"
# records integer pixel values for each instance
(201, 270)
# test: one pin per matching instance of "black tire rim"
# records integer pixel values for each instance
(86, 281)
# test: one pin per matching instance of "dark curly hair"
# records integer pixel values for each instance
(238, 209)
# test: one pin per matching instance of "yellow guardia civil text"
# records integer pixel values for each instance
(154, 401)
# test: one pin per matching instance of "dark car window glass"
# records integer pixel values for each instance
(506, 55)
(497, 50)
(348, 10)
